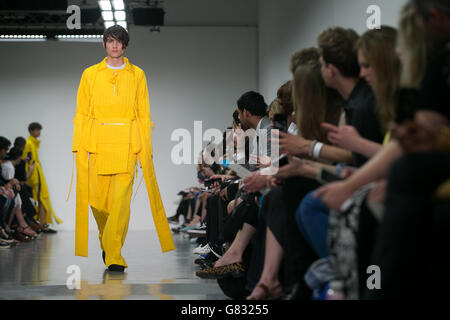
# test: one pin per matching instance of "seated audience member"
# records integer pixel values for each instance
(8, 172)
(412, 235)
(241, 219)
(379, 67)
(314, 103)
(6, 198)
(26, 192)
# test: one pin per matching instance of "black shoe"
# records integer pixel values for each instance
(116, 268)
(47, 229)
(103, 256)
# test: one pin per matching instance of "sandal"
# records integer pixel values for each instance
(30, 233)
(274, 294)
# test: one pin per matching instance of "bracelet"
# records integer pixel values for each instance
(311, 148)
(316, 152)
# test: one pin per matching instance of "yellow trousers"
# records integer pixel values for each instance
(109, 198)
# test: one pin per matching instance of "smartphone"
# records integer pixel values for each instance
(324, 176)
(282, 161)
(280, 122)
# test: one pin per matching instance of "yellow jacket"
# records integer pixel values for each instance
(114, 122)
(37, 178)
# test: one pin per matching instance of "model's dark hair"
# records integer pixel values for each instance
(34, 126)
(4, 143)
(337, 47)
(20, 142)
(14, 153)
(117, 32)
(253, 102)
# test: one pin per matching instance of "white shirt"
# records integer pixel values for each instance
(292, 128)
(8, 170)
(117, 68)
(255, 140)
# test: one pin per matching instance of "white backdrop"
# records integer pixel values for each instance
(286, 26)
(193, 73)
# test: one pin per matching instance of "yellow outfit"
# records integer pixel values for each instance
(37, 180)
(112, 130)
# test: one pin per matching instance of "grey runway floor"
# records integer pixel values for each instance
(39, 270)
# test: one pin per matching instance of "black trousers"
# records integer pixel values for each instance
(412, 241)
(215, 215)
(278, 214)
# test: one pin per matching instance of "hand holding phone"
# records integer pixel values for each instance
(324, 176)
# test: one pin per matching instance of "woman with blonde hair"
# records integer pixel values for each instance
(380, 67)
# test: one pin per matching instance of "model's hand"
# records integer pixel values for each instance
(334, 194)
(344, 137)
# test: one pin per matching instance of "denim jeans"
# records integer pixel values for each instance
(312, 221)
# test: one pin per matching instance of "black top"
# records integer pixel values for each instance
(21, 173)
(2, 182)
(360, 113)
(435, 89)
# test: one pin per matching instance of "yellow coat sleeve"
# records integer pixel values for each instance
(143, 110)
(81, 116)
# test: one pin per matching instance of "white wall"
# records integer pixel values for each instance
(193, 73)
(286, 26)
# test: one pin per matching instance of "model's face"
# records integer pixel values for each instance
(367, 71)
(114, 48)
(36, 133)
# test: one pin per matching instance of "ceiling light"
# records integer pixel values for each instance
(118, 5)
(108, 24)
(122, 23)
(107, 15)
(120, 15)
(105, 5)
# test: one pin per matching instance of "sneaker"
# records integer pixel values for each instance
(196, 231)
(47, 229)
(4, 245)
(173, 219)
(6, 237)
(202, 249)
(185, 229)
